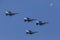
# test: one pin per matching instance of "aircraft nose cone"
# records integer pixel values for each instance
(6, 12)
(25, 18)
(27, 30)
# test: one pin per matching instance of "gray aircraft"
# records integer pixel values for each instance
(29, 19)
(9, 13)
(30, 32)
(40, 23)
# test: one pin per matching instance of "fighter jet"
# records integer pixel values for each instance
(28, 19)
(9, 13)
(40, 23)
(29, 32)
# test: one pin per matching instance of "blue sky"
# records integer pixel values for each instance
(13, 27)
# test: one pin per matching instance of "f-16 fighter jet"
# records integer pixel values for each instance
(40, 23)
(29, 32)
(29, 19)
(10, 13)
